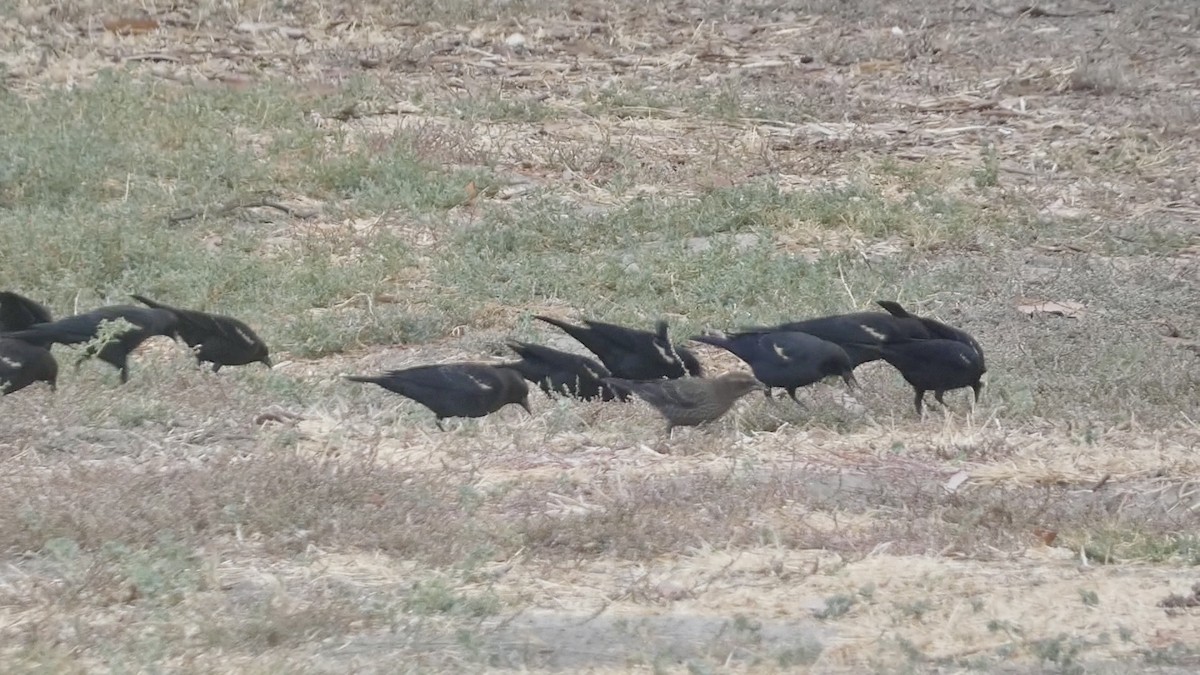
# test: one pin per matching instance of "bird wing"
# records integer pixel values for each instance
(196, 327)
(682, 393)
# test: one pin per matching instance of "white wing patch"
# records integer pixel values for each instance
(484, 386)
(242, 334)
(872, 332)
(11, 363)
(779, 351)
(965, 359)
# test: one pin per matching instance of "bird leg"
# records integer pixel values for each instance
(792, 392)
(919, 401)
(938, 396)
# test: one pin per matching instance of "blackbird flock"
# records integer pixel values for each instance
(929, 354)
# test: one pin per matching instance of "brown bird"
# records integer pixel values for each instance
(456, 389)
(690, 401)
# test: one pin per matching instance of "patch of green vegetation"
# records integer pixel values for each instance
(1119, 544)
(435, 596)
(91, 175)
(836, 606)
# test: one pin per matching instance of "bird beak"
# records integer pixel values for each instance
(266, 360)
(978, 387)
(525, 405)
(851, 381)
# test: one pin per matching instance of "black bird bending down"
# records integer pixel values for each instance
(936, 365)
(215, 338)
(630, 353)
(691, 401)
(786, 359)
(80, 328)
(936, 329)
(456, 389)
(18, 312)
(860, 333)
(22, 364)
(564, 373)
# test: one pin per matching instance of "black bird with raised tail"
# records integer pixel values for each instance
(631, 353)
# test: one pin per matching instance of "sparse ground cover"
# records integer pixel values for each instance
(377, 187)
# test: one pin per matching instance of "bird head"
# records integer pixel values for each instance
(739, 383)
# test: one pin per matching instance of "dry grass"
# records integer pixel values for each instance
(451, 170)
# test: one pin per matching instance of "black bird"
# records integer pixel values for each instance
(146, 323)
(22, 364)
(215, 338)
(786, 359)
(936, 328)
(564, 373)
(456, 389)
(630, 353)
(860, 333)
(936, 365)
(18, 312)
(692, 400)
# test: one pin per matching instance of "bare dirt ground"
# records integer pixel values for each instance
(232, 523)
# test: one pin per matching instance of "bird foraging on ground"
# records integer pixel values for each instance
(630, 353)
(18, 312)
(935, 328)
(936, 365)
(564, 373)
(456, 389)
(142, 324)
(691, 401)
(786, 359)
(22, 364)
(859, 333)
(215, 338)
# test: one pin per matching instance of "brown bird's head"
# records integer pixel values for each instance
(737, 384)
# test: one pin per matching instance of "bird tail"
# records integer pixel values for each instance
(555, 322)
(36, 335)
(894, 309)
(151, 303)
(661, 329)
(621, 388)
(371, 379)
(714, 340)
(521, 349)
